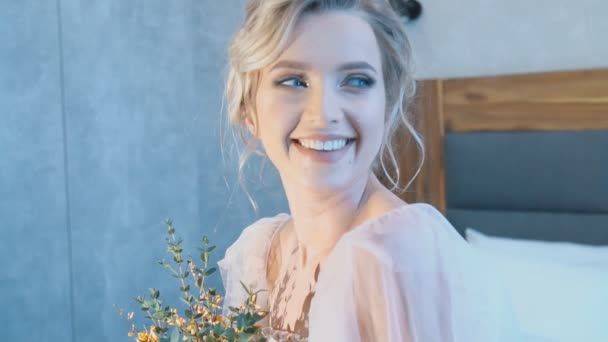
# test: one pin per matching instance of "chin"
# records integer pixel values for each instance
(333, 182)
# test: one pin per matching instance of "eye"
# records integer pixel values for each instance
(292, 82)
(359, 81)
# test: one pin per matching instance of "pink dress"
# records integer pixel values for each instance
(406, 275)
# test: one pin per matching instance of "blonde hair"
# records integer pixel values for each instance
(264, 35)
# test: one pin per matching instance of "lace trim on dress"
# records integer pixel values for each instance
(275, 335)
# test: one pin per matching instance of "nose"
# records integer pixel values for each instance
(323, 108)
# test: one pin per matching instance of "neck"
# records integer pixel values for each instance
(321, 216)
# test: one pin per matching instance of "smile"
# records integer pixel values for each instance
(329, 151)
(325, 146)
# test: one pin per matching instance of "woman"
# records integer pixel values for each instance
(323, 85)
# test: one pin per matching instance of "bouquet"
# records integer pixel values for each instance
(201, 319)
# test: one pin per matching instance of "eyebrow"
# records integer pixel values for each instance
(303, 66)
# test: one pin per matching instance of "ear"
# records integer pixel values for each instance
(249, 122)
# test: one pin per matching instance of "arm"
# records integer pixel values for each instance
(380, 300)
(418, 282)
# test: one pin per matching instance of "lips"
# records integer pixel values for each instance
(324, 137)
(308, 144)
(322, 156)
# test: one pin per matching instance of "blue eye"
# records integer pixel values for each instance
(360, 82)
(292, 82)
(353, 81)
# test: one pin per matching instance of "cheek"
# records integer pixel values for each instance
(371, 114)
(275, 115)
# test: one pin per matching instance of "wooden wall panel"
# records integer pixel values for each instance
(541, 102)
(429, 185)
(552, 101)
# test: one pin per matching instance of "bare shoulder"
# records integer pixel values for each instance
(384, 201)
(379, 203)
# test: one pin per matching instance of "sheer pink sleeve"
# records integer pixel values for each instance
(245, 261)
(408, 277)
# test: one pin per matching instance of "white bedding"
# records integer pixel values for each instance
(559, 291)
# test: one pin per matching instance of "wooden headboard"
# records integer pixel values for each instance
(553, 101)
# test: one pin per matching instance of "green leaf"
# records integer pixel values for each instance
(154, 292)
(229, 334)
(245, 287)
(260, 290)
(158, 315)
(244, 337)
(185, 288)
(241, 321)
(210, 271)
(210, 249)
(169, 224)
(187, 300)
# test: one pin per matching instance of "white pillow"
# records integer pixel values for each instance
(574, 253)
(553, 298)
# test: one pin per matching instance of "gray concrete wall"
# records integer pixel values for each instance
(493, 37)
(110, 115)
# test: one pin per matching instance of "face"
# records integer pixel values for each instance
(321, 104)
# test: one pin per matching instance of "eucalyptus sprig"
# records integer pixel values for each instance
(201, 320)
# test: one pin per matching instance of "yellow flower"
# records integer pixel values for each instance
(192, 327)
(145, 337)
(142, 337)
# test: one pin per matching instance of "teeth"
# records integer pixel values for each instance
(323, 145)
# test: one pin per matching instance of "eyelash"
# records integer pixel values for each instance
(369, 82)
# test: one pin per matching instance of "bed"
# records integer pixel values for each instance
(519, 165)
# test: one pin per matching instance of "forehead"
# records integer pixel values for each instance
(328, 39)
